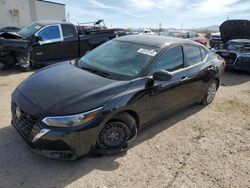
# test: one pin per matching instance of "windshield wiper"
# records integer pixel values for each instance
(99, 72)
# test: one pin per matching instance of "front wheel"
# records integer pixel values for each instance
(210, 93)
(116, 134)
(25, 67)
(24, 62)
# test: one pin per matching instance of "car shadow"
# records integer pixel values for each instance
(19, 167)
(234, 77)
(11, 71)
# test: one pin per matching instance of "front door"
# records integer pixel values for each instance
(50, 44)
(167, 96)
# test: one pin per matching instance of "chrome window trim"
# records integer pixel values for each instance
(185, 68)
(196, 64)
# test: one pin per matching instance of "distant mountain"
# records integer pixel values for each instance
(210, 28)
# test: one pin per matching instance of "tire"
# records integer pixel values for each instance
(116, 134)
(210, 93)
(24, 62)
(25, 68)
(2, 66)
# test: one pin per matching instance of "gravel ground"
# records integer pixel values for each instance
(197, 147)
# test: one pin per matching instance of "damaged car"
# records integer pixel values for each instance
(47, 42)
(98, 104)
(235, 35)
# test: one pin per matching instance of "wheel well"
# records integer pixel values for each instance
(134, 115)
(131, 113)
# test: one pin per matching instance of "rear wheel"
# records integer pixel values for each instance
(210, 93)
(116, 134)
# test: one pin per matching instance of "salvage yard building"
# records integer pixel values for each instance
(21, 12)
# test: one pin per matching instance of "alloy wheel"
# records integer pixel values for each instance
(211, 92)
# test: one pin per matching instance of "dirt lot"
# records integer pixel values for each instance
(197, 147)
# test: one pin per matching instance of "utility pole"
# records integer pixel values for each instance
(160, 27)
(68, 16)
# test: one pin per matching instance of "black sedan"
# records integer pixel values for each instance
(97, 104)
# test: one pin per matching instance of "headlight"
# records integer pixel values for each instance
(72, 120)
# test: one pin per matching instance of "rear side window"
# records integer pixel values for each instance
(171, 60)
(203, 54)
(68, 31)
(192, 55)
(50, 33)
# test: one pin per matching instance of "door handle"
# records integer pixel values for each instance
(184, 78)
(210, 68)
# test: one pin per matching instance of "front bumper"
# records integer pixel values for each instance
(235, 60)
(56, 143)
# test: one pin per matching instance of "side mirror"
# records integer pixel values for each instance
(162, 75)
(38, 38)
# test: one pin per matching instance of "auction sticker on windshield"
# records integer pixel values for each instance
(147, 52)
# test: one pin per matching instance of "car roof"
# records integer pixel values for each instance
(48, 22)
(154, 40)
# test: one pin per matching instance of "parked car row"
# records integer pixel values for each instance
(99, 102)
(186, 35)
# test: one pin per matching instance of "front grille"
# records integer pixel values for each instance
(247, 47)
(24, 123)
(243, 63)
(230, 58)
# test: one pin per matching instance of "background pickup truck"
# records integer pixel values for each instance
(47, 42)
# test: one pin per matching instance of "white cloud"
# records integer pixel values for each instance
(152, 12)
(113, 8)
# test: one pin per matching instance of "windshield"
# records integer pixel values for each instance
(28, 30)
(118, 58)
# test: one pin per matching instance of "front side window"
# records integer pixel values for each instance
(192, 55)
(171, 60)
(50, 33)
(118, 58)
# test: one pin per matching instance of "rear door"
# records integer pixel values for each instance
(70, 45)
(198, 70)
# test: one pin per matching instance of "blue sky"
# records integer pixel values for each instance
(150, 13)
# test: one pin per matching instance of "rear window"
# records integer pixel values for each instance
(192, 55)
(203, 54)
(68, 31)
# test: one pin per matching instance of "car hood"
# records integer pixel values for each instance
(235, 29)
(13, 41)
(65, 89)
